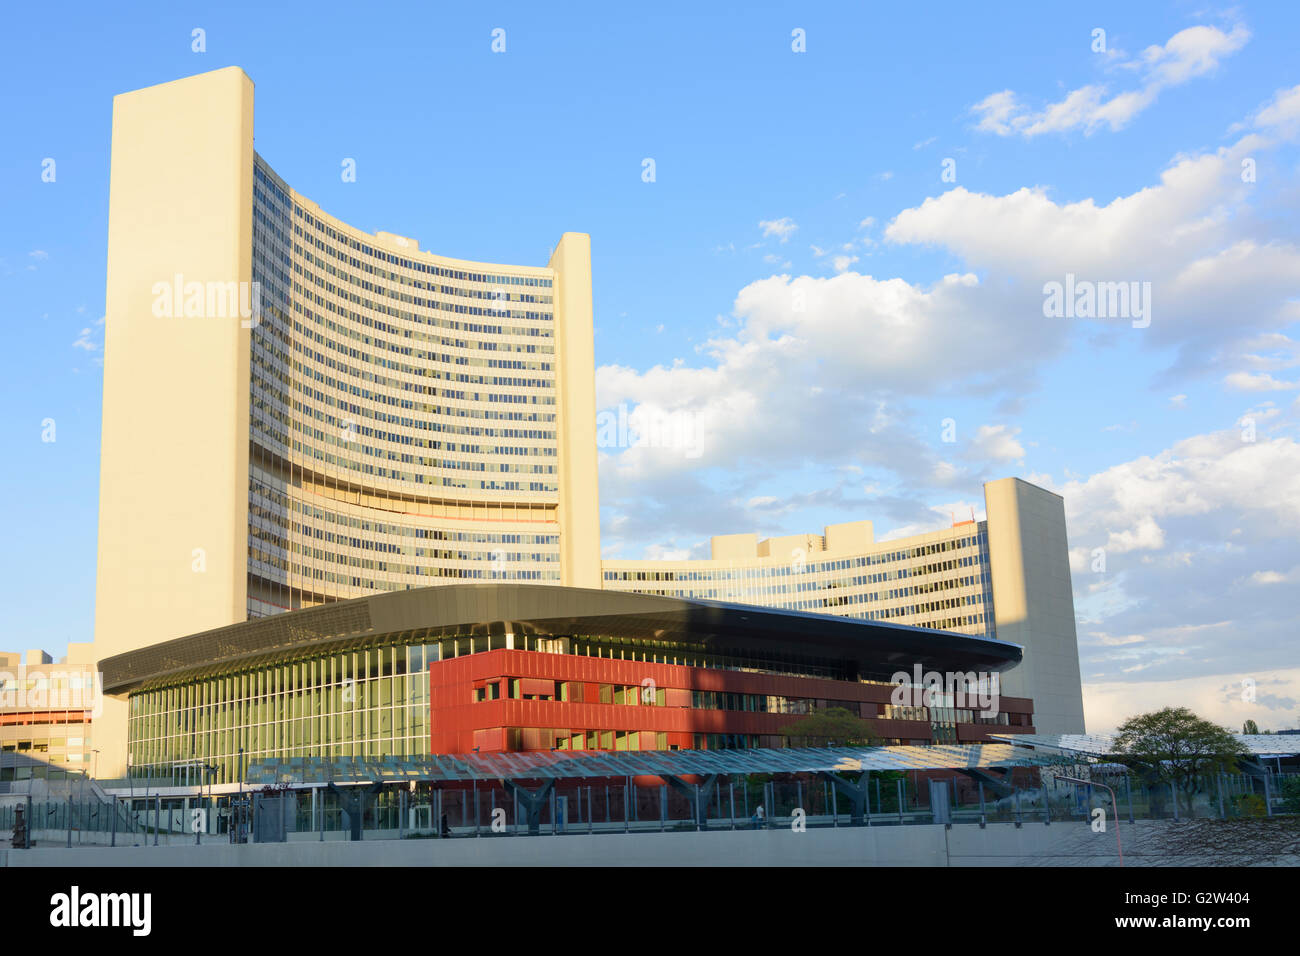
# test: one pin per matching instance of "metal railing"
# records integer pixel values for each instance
(493, 809)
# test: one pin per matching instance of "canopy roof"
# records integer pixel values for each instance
(873, 650)
(570, 764)
(1103, 745)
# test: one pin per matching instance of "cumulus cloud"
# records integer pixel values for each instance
(997, 443)
(1188, 54)
(1276, 577)
(1281, 115)
(1213, 280)
(1181, 559)
(1107, 704)
(1257, 382)
(783, 228)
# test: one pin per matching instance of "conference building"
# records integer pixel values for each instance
(348, 508)
(508, 667)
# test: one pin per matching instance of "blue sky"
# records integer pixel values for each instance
(775, 171)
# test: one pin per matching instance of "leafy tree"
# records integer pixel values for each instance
(1291, 794)
(832, 727)
(1174, 746)
(1250, 727)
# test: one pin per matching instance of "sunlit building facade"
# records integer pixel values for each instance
(46, 713)
(298, 412)
(404, 414)
(519, 667)
(1007, 577)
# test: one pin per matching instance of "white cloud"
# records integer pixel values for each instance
(83, 341)
(997, 443)
(1281, 114)
(1189, 236)
(1216, 697)
(657, 553)
(1188, 54)
(1257, 382)
(1276, 577)
(1196, 477)
(783, 228)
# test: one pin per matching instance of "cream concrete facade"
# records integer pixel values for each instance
(297, 411)
(174, 456)
(579, 509)
(1007, 577)
(1034, 602)
(45, 711)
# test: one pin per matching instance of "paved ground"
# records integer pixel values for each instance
(1199, 843)
(1203, 843)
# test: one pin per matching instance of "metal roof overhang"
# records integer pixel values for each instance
(1103, 745)
(568, 765)
(872, 649)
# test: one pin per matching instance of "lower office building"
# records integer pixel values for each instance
(46, 708)
(513, 667)
(1006, 577)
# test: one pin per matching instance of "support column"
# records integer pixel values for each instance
(533, 801)
(699, 796)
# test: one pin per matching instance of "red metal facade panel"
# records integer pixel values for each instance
(459, 722)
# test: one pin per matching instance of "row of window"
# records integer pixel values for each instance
(269, 181)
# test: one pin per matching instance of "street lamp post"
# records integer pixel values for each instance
(1114, 806)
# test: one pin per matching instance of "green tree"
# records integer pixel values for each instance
(1291, 794)
(832, 727)
(1174, 746)
(1250, 727)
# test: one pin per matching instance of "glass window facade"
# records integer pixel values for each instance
(403, 415)
(945, 584)
(366, 702)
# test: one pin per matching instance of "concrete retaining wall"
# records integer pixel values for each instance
(1000, 844)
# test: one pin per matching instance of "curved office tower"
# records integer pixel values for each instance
(404, 413)
(298, 412)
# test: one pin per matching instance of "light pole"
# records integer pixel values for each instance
(1114, 806)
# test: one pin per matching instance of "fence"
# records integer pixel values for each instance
(490, 809)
